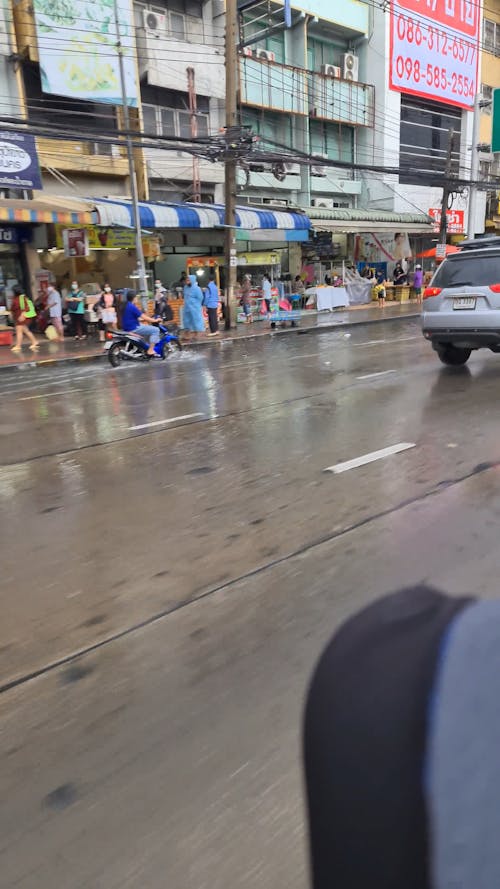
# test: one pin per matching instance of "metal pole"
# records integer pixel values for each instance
(136, 216)
(474, 169)
(230, 162)
(194, 133)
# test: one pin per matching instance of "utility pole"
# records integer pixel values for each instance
(193, 109)
(230, 161)
(447, 190)
(136, 216)
(474, 169)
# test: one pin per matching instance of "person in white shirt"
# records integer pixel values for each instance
(266, 291)
(54, 305)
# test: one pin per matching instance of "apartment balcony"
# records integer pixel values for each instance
(94, 158)
(159, 55)
(275, 87)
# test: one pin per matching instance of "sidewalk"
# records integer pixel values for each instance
(71, 352)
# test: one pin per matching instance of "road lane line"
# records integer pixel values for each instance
(396, 339)
(50, 394)
(162, 422)
(370, 458)
(379, 373)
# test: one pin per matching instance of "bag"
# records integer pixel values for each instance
(51, 333)
(27, 307)
(73, 305)
(263, 307)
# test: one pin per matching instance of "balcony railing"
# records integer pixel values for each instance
(276, 87)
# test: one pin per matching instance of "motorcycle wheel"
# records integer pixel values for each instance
(170, 348)
(115, 354)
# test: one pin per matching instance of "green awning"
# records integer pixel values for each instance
(350, 220)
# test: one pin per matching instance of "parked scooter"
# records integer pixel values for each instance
(130, 347)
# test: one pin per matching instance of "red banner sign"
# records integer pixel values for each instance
(455, 223)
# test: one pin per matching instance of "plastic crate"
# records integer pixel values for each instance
(6, 337)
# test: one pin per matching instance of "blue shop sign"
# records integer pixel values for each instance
(19, 167)
(9, 235)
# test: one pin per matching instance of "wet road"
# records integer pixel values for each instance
(174, 524)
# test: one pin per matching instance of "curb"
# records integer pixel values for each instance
(287, 331)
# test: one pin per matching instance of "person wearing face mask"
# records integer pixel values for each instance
(76, 309)
(106, 307)
(54, 305)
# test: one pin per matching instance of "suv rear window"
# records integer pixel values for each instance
(480, 270)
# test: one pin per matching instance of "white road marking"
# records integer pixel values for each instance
(50, 394)
(396, 339)
(380, 373)
(167, 420)
(370, 458)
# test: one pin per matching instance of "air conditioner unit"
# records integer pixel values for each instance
(318, 171)
(331, 70)
(274, 203)
(248, 51)
(350, 66)
(265, 55)
(154, 24)
(322, 203)
(292, 169)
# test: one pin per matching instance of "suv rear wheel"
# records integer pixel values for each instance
(453, 356)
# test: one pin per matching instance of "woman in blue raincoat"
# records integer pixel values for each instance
(192, 317)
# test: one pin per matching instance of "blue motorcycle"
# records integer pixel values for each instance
(126, 346)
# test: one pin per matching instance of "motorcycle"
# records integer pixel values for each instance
(128, 346)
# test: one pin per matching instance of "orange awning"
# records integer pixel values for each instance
(66, 211)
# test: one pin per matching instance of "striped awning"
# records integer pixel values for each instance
(58, 210)
(197, 216)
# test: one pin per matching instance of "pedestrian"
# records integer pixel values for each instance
(266, 290)
(300, 290)
(23, 311)
(211, 303)
(162, 308)
(76, 309)
(418, 279)
(246, 298)
(399, 275)
(54, 305)
(107, 311)
(380, 289)
(192, 317)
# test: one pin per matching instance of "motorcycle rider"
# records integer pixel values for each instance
(136, 321)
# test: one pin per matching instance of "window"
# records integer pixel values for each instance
(271, 127)
(172, 123)
(179, 19)
(321, 53)
(491, 36)
(423, 138)
(333, 140)
(487, 93)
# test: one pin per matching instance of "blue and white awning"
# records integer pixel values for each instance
(197, 216)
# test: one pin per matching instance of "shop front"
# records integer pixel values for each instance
(12, 266)
(353, 247)
(93, 255)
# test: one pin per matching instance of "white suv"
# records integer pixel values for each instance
(461, 310)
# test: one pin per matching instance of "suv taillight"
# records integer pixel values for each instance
(495, 288)
(431, 291)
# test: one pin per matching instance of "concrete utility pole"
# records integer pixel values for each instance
(474, 169)
(230, 162)
(136, 216)
(447, 190)
(194, 133)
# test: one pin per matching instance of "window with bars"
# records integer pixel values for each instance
(487, 94)
(172, 122)
(423, 138)
(491, 36)
(333, 140)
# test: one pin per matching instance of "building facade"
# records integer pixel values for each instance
(490, 80)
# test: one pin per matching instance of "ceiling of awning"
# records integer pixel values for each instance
(354, 220)
(66, 211)
(197, 216)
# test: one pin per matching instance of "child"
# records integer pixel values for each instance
(380, 289)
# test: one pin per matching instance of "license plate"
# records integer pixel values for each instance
(464, 302)
(107, 345)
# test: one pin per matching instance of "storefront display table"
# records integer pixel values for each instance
(329, 298)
